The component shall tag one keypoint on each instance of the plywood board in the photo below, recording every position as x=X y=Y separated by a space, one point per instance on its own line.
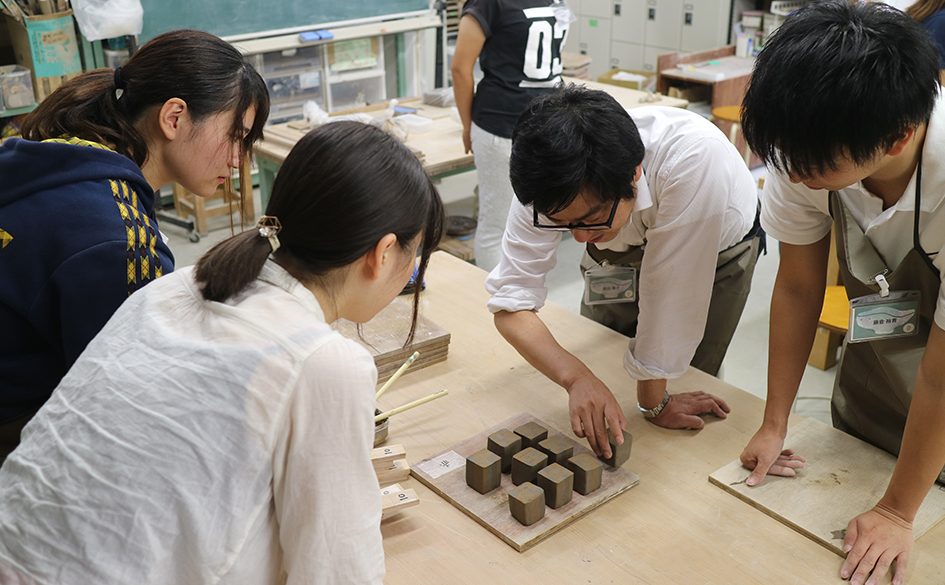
x=843 y=478
x=384 y=337
x=445 y=474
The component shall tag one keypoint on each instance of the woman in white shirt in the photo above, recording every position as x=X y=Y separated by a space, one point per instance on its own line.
x=668 y=210
x=218 y=430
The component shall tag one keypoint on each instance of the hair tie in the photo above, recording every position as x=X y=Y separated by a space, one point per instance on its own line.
x=120 y=84
x=269 y=227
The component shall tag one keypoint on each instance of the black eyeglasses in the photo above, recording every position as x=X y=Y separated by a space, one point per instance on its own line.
x=566 y=227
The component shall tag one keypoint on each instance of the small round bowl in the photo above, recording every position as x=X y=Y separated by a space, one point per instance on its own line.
x=381 y=430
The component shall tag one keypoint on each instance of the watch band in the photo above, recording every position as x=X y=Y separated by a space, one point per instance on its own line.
x=656 y=410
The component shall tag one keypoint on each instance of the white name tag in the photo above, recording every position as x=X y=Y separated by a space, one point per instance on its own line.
x=874 y=317
x=604 y=285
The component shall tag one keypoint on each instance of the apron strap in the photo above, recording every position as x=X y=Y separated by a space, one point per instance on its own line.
x=916 y=241
x=853 y=242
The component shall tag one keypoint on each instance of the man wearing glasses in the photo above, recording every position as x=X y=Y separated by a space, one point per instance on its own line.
x=668 y=211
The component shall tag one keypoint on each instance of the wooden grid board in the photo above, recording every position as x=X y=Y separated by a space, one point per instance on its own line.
x=843 y=478
x=445 y=474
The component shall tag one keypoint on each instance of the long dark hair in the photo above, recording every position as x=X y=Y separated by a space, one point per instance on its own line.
x=343 y=187
x=197 y=67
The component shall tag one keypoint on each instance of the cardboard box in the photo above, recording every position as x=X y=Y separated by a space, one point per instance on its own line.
x=640 y=80
x=47 y=46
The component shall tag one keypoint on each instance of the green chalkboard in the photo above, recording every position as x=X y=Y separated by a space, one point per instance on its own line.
x=237 y=17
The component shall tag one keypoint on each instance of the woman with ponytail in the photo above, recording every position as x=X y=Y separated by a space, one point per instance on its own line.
x=78 y=232
x=218 y=430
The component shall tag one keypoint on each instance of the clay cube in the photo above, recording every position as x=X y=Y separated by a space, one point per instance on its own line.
x=557 y=448
x=483 y=471
x=558 y=483
x=532 y=433
x=526 y=464
x=505 y=443
x=619 y=455
x=527 y=503
x=587 y=472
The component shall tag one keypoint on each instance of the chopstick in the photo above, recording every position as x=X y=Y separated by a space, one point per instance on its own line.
x=396 y=375
x=410 y=405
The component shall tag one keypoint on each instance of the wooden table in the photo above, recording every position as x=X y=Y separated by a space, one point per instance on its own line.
x=441 y=144
x=722 y=75
x=673 y=528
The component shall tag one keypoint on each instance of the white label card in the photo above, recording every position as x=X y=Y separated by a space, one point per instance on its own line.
x=442 y=464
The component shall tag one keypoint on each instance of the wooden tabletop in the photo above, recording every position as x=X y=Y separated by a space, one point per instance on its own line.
x=673 y=528
x=713 y=70
x=442 y=142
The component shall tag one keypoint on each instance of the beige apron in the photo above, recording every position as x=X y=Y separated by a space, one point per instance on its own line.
x=733 y=273
x=875 y=379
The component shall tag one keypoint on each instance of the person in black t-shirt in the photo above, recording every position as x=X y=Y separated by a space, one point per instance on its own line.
x=518 y=44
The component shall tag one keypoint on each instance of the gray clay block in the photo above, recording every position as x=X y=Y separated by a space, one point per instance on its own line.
x=587 y=472
x=527 y=503
x=526 y=464
x=532 y=433
x=558 y=483
x=557 y=448
x=505 y=444
x=619 y=455
x=483 y=471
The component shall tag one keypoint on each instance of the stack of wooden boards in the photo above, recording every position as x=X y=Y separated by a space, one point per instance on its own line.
x=384 y=337
x=576 y=65
x=390 y=465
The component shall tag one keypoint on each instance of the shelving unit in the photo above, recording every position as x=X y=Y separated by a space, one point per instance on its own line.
x=17 y=111
x=630 y=34
x=361 y=65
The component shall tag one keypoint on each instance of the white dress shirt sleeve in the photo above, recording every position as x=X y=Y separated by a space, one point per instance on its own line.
x=327 y=498
x=682 y=249
x=792 y=213
x=939 y=315
x=528 y=254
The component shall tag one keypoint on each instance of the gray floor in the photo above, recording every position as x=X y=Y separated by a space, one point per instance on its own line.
x=747 y=358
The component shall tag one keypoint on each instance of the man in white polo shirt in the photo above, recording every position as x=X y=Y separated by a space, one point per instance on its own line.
x=845 y=105
x=668 y=210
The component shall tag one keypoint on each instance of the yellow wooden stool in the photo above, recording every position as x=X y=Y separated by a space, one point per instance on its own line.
x=831 y=327
x=733 y=115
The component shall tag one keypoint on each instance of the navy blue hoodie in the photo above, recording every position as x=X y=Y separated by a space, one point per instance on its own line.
x=77 y=236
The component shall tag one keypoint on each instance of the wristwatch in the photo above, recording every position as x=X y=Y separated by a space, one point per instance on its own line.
x=656 y=410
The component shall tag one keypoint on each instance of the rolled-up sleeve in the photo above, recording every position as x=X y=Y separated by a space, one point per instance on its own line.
x=678 y=270
x=528 y=254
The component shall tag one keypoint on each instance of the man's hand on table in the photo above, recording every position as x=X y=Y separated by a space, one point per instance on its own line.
x=765 y=455
x=593 y=410
x=876 y=541
x=685 y=410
